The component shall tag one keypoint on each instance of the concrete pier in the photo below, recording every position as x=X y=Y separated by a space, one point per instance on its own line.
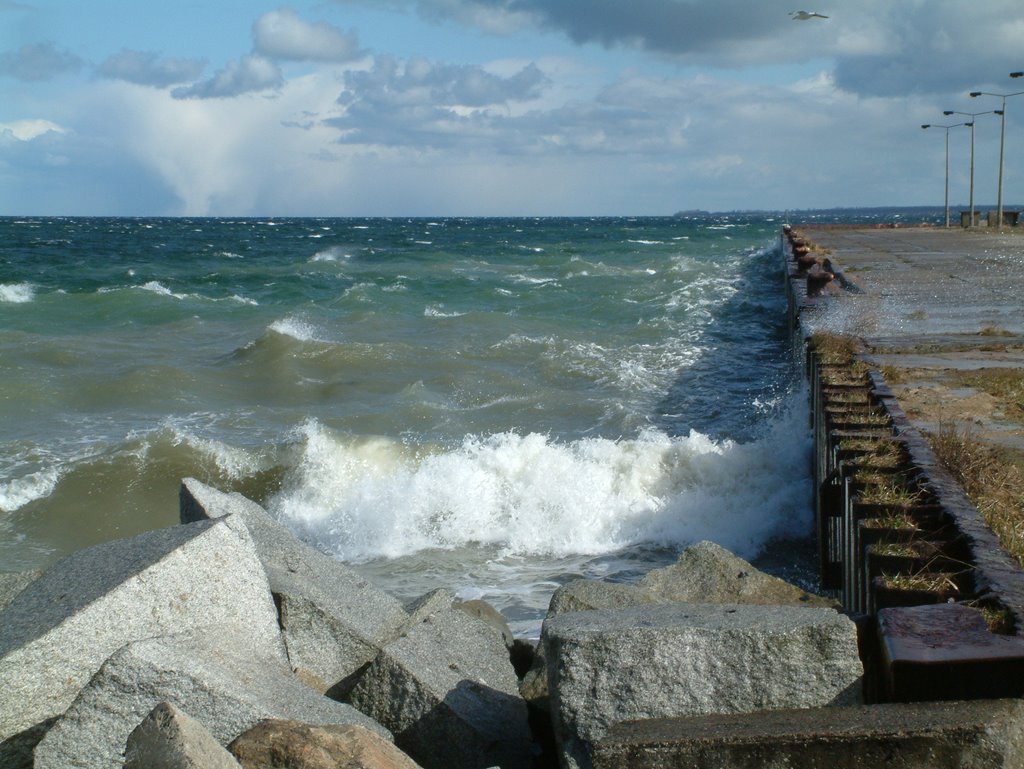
x=901 y=543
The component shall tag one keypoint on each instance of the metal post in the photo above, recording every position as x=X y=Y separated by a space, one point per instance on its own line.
x=1002 y=136
x=971 y=224
x=947 y=178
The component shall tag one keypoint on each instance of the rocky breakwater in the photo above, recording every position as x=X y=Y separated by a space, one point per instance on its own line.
x=225 y=641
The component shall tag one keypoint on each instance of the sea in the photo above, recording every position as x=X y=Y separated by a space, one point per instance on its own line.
x=493 y=406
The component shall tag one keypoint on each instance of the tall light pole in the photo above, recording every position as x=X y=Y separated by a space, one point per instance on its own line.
x=972 y=115
x=1002 y=138
x=947 y=127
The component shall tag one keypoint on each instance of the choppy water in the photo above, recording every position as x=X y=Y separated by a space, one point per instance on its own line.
x=488 y=405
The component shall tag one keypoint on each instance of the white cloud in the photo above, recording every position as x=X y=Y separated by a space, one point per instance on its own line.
x=282 y=34
x=27 y=130
x=248 y=74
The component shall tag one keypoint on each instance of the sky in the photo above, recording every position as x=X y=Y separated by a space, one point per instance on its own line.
x=502 y=107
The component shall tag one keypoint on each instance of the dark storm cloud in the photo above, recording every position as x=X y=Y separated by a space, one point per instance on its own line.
x=145 y=68
x=36 y=62
x=667 y=26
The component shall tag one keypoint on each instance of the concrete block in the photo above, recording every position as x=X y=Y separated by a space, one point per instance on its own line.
x=273 y=744
x=447 y=690
x=987 y=734
x=333 y=621
x=169 y=738
x=57 y=632
x=219 y=679
x=688 y=659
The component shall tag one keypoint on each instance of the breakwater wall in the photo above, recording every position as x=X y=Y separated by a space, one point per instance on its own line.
x=939 y=601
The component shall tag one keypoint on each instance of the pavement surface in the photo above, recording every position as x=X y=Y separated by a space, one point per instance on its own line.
x=935 y=307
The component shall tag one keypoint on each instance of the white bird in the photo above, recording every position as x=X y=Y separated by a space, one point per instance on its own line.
x=805 y=15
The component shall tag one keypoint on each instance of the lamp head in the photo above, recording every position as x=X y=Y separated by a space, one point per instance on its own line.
x=948 y=112
x=1017 y=74
x=926 y=125
x=975 y=93
x=997 y=112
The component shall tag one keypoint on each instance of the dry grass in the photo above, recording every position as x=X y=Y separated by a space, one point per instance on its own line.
x=834 y=348
x=1005 y=384
x=929 y=582
x=893 y=490
x=993 y=481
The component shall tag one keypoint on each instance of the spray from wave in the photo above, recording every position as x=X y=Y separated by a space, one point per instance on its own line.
x=362 y=498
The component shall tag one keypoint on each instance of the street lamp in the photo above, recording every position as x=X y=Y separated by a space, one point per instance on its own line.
x=947 y=127
x=949 y=112
x=1002 y=136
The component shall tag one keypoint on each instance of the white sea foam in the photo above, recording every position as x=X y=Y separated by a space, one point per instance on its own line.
x=17 y=293
x=159 y=288
x=296 y=328
x=531 y=495
x=18 y=492
x=332 y=254
x=437 y=311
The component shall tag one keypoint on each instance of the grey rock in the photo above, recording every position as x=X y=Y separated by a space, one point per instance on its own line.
x=428 y=603
x=708 y=573
x=334 y=622
x=937 y=735
x=487 y=614
x=589 y=594
x=169 y=738
x=57 y=632
x=448 y=692
x=704 y=573
x=275 y=744
x=223 y=682
x=12 y=583
x=688 y=659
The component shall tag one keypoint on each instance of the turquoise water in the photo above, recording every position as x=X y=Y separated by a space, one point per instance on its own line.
x=488 y=405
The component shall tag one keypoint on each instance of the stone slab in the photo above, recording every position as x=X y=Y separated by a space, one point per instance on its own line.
x=946 y=651
x=333 y=620
x=987 y=734
x=688 y=659
x=275 y=744
x=219 y=679
x=169 y=738
x=447 y=690
x=57 y=632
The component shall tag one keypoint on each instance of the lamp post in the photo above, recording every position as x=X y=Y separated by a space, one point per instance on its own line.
x=1002 y=137
x=947 y=127
x=972 y=115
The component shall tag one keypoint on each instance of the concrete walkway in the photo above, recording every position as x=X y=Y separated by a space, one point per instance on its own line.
x=932 y=304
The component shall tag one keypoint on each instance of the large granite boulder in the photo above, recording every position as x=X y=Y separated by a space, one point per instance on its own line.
x=687 y=659
x=447 y=690
x=704 y=573
x=169 y=738
x=275 y=744
x=12 y=583
x=708 y=573
x=219 y=677
x=59 y=629
x=333 y=621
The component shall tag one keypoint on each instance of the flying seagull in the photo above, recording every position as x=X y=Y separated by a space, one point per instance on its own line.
x=805 y=15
